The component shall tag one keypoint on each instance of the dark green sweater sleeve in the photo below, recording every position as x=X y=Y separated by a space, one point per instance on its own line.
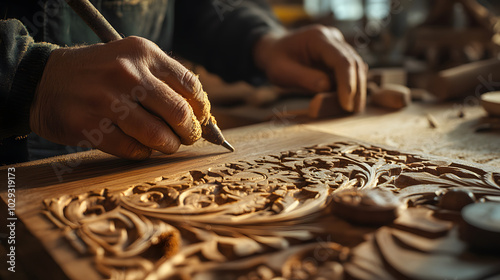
x=22 y=62
x=220 y=34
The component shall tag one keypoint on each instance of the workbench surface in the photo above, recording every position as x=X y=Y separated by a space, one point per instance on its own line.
x=409 y=130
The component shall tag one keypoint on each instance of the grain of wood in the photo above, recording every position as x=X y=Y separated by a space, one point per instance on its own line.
x=254 y=210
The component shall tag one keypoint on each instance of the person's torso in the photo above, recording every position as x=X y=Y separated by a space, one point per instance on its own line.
x=55 y=22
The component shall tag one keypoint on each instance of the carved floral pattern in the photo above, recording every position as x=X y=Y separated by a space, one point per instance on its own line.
x=260 y=219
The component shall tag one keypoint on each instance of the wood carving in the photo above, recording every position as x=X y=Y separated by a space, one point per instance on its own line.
x=272 y=217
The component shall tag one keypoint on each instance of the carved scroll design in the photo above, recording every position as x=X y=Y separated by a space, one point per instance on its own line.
x=257 y=219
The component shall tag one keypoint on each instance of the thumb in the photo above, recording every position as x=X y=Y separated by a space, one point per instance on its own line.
x=294 y=74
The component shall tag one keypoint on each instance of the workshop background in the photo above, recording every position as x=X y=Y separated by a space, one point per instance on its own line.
x=443 y=52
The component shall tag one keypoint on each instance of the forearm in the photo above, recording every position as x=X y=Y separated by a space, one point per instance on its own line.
x=221 y=35
x=21 y=66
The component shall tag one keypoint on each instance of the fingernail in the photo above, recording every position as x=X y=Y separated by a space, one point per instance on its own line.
x=195 y=132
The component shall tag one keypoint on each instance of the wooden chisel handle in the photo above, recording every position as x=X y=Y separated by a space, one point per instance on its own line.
x=95 y=20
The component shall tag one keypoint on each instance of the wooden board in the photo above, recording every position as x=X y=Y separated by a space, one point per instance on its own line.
x=264 y=211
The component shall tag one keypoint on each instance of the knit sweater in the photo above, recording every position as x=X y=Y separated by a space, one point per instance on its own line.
x=21 y=66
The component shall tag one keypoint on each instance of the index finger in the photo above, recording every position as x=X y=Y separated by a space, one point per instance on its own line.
x=334 y=54
x=184 y=82
x=362 y=70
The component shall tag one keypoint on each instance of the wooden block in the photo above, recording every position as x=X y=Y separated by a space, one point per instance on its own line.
x=419 y=94
x=392 y=96
x=467 y=79
x=367 y=207
x=382 y=76
x=325 y=105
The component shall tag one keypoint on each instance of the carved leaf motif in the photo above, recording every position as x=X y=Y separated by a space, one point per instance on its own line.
x=255 y=219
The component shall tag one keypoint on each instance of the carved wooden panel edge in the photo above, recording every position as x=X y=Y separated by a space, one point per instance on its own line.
x=284 y=216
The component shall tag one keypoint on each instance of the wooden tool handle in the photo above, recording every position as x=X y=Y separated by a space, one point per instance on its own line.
x=95 y=20
x=463 y=80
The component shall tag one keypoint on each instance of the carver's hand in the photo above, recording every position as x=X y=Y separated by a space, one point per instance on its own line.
x=125 y=97
x=314 y=58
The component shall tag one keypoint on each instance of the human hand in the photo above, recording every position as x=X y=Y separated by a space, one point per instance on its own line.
x=125 y=98
x=309 y=58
